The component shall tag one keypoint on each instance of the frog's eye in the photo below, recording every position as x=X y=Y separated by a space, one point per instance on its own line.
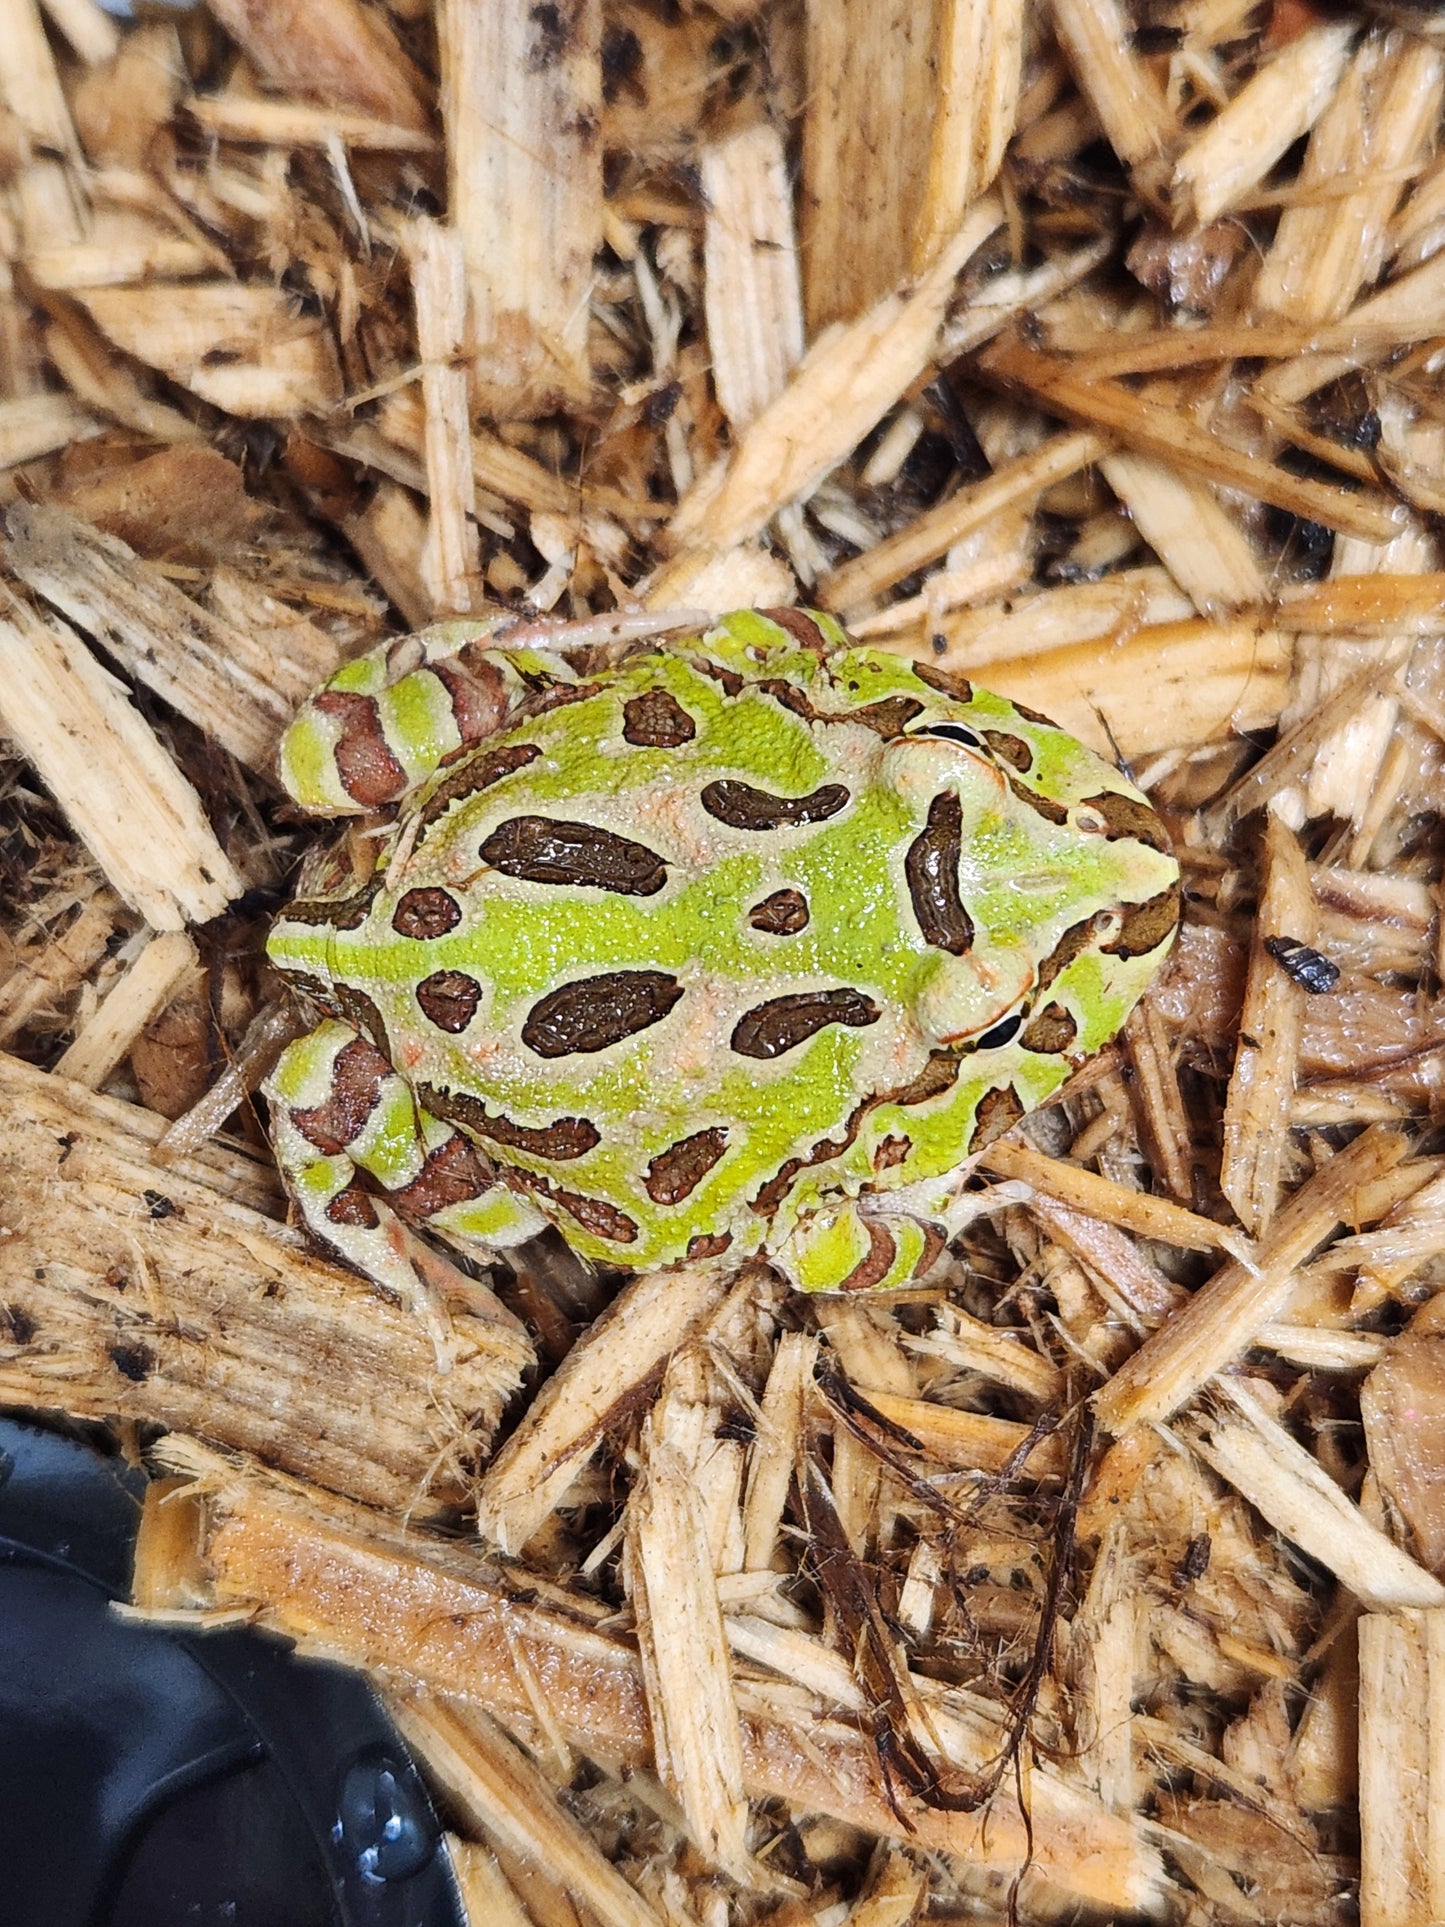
x=952 y=733
x=1003 y=1032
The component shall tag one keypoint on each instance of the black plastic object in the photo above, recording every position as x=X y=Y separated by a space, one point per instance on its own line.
x=150 y=1778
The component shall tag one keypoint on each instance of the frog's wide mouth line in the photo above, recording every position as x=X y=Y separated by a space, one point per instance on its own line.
x=720 y=954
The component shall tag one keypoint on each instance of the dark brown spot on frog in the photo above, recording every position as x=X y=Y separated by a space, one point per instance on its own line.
x=603 y=1220
x=479 y=774
x=361 y=1013
x=598 y=1011
x=782 y=1023
x=948 y=682
x=1045 y=806
x=568 y=1137
x=1010 y=749
x=677 y=1172
x=541 y=849
x=708 y=1244
x=657 y=720
x=938 y=1075
x=477 y=692
x=893 y=1150
x=1033 y=716
x=337 y=913
x=1050 y=1029
x=1125 y=817
x=742 y=807
x=1146 y=925
x=783 y=914
x=998 y=1111
x=449 y=998
x=776 y=1189
x=1074 y=942
x=357 y=1075
x=369 y=771
x=801 y=627
x=882 y=1250
x=931 y=870
x=888 y=718
x=789 y=696
x=452 y=1174
x=426 y=913
x=353 y=1207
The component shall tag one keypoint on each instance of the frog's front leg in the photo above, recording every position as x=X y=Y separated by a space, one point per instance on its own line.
x=840 y=1246
x=339 y=1110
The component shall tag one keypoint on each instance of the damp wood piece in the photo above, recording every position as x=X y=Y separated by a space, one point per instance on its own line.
x=846 y=383
x=1278 y=104
x=319 y=1570
x=871 y=93
x=525 y=193
x=230 y=681
x=1190 y=530
x=1137 y=1211
x=683 y=1652
x=501 y=1793
x=1328 y=245
x=1131 y=108
x=451 y=559
x=121 y=793
x=165 y=964
x=980 y=56
x=1261 y=1087
x=752 y=296
x=1014 y=484
x=337 y=53
x=606 y=1375
x=1402 y=1761
x=142 y=1292
x=1269 y=1467
x=1222 y=1318
x=247 y=349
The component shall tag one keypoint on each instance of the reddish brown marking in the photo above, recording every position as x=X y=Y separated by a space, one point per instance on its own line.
x=789 y=696
x=893 y=1150
x=1049 y=810
x=657 y=720
x=938 y=1075
x=568 y=1137
x=1074 y=942
x=338 y=913
x=598 y=1011
x=1011 y=749
x=452 y=1174
x=1033 y=716
x=882 y=1250
x=783 y=914
x=782 y=1023
x=934 y=1246
x=1146 y=925
x=478 y=774
x=1124 y=817
x=449 y=998
x=743 y=807
x=1050 y=1029
x=931 y=871
x=361 y=1013
x=370 y=774
x=801 y=627
x=353 y=1207
x=677 y=1172
x=357 y=1076
x=426 y=913
x=545 y=849
x=948 y=682
x=603 y=1220
x=477 y=691
x=709 y=1245
x=888 y=718
x=998 y=1111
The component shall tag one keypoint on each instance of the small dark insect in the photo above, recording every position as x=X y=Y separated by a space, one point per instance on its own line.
x=1310 y=970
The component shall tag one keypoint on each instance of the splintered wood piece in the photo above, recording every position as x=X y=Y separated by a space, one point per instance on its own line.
x=525 y=185
x=1401 y=1404
x=1029 y=625
x=752 y=296
x=1158 y=426
x=684 y=1654
x=605 y=1375
x=847 y=382
x=166 y=963
x=122 y=794
x=980 y=54
x=1223 y=1317
x=247 y=349
x=1126 y=98
x=1118 y=1269
x=144 y=1292
x=870 y=102
x=427 y=1612
x=1137 y=1211
x=63 y=961
x=35 y=425
x=970 y=1441
x=451 y=560
x=775 y=1447
x=218 y=673
x=1190 y=530
x=337 y=52
x=1015 y=484
x=1161 y=1112
x=1103 y=1644
x=489 y=1779
x=49 y=197
x=1330 y=244
x=1268 y=1466
x=1402 y=1769
x=290 y=123
x=1279 y=103
x=897 y=1892
x=1261 y=1088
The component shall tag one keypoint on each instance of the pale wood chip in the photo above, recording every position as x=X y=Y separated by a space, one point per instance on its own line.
x=969 y=1441
x=165 y=964
x=1104 y=1651
x=980 y=55
x=1190 y=530
x=35 y=425
x=486 y=1892
x=1162 y=1114
x=896 y=1893
x=776 y=1446
x=752 y=295
x=1222 y=1318
x=1402 y=1404
x=337 y=52
x=1402 y=1768
x=1126 y=98
x=291 y=123
x=1100 y=1197
x=147 y=1293
x=50 y=199
x=91 y=32
x=1128 y=1281
x=122 y=794
x=63 y=961
x=451 y=559
x=525 y=194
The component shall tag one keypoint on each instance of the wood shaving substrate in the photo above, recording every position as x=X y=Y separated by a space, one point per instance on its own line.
x=1090 y=351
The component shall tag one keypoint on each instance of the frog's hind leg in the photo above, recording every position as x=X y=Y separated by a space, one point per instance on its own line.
x=358 y=1153
x=840 y=1246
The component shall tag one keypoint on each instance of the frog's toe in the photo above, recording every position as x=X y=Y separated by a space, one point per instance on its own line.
x=841 y=1247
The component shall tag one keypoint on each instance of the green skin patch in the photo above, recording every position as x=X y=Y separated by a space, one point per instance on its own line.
x=934 y=888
